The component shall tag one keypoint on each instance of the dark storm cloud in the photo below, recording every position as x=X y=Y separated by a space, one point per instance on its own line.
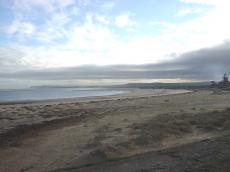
x=204 y=64
x=207 y=63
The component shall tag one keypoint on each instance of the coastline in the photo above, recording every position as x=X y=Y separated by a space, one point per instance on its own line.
x=125 y=93
x=60 y=94
x=46 y=136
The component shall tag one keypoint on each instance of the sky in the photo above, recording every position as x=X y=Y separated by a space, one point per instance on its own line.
x=75 y=42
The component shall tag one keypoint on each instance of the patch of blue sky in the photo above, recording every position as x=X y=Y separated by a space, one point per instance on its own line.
x=6 y=16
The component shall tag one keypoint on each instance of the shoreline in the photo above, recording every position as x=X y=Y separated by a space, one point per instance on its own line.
x=128 y=93
x=27 y=101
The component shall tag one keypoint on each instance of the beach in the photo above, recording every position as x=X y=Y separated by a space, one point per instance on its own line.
x=105 y=133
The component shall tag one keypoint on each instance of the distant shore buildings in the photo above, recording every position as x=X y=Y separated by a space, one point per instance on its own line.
x=222 y=84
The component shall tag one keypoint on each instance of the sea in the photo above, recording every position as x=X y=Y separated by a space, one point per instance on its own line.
x=40 y=93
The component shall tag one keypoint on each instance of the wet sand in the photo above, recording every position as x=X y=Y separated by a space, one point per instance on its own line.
x=78 y=134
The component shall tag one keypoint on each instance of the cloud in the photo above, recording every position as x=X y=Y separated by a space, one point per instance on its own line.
x=66 y=3
x=94 y=41
x=46 y=5
x=203 y=64
x=11 y=60
x=65 y=39
x=39 y=21
x=102 y=19
x=123 y=21
x=21 y=28
x=54 y=28
x=188 y=11
x=207 y=2
x=207 y=30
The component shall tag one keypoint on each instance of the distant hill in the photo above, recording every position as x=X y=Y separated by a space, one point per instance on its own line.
x=192 y=85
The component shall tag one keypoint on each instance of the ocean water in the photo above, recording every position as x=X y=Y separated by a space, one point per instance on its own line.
x=54 y=93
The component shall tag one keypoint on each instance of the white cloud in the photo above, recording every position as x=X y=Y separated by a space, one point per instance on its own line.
x=11 y=59
x=94 y=42
x=90 y=43
x=187 y=11
x=21 y=28
x=201 y=1
x=90 y=37
x=66 y=3
x=208 y=2
x=53 y=28
x=47 y=5
x=28 y=5
x=102 y=19
x=123 y=21
x=207 y=30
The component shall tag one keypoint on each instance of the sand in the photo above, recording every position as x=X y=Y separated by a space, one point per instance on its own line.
x=74 y=134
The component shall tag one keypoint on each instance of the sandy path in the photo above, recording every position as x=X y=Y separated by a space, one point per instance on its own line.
x=92 y=126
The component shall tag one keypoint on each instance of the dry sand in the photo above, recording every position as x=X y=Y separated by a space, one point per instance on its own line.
x=73 y=133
